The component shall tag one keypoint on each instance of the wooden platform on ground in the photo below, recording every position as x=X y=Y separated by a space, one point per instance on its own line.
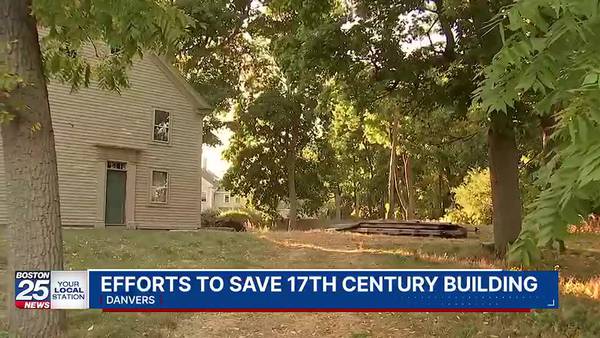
x=405 y=228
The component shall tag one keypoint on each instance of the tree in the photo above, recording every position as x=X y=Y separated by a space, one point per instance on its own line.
x=406 y=63
x=349 y=157
x=30 y=164
x=473 y=199
x=129 y=28
x=211 y=55
x=503 y=151
x=427 y=50
x=266 y=151
x=550 y=55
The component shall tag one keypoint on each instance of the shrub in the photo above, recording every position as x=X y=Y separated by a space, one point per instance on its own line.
x=209 y=217
x=248 y=217
x=473 y=199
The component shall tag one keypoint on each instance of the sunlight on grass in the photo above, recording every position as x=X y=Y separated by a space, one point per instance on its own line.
x=568 y=286
x=588 y=289
x=478 y=262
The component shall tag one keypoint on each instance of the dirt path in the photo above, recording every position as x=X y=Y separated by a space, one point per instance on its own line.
x=310 y=250
x=295 y=325
x=320 y=250
x=291 y=254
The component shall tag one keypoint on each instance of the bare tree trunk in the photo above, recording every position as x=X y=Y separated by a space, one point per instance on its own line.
x=504 y=172
x=338 y=204
x=392 y=174
x=30 y=164
x=410 y=187
x=400 y=193
x=356 y=206
x=292 y=192
x=440 y=193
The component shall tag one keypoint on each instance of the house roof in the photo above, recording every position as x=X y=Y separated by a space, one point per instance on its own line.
x=192 y=95
x=210 y=177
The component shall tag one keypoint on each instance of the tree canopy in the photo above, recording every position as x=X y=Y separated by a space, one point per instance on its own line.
x=550 y=57
x=408 y=92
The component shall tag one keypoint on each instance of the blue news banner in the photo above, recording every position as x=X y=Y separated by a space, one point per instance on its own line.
x=288 y=290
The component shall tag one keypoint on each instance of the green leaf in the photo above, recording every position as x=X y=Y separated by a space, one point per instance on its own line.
x=590 y=79
x=530 y=10
x=514 y=18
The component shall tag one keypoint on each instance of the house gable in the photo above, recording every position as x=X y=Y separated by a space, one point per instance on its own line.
x=196 y=99
x=211 y=178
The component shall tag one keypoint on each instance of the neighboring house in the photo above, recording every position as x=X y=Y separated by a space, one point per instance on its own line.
x=210 y=184
x=131 y=159
x=225 y=200
x=215 y=197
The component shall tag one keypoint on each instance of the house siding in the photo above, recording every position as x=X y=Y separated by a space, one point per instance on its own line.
x=91 y=119
x=219 y=201
x=209 y=189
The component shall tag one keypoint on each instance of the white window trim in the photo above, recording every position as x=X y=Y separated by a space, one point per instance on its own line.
x=108 y=167
x=170 y=132
x=151 y=187
x=227 y=198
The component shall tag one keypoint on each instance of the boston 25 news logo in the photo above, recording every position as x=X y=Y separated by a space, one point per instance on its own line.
x=32 y=289
x=51 y=290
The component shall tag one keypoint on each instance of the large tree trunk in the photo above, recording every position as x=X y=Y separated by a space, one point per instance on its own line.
x=392 y=175
x=30 y=165
x=504 y=173
x=502 y=146
x=292 y=192
x=410 y=187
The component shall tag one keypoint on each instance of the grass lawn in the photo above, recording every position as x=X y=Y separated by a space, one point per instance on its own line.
x=579 y=315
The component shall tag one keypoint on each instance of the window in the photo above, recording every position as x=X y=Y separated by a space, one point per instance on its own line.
x=204 y=196
x=238 y=200
x=162 y=126
x=226 y=197
x=160 y=186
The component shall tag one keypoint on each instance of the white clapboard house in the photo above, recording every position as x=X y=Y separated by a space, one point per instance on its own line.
x=131 y=159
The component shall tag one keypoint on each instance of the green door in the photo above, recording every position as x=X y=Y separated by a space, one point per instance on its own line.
x=115 y=197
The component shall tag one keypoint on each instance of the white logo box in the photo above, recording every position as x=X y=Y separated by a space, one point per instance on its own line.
x=69 y=290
